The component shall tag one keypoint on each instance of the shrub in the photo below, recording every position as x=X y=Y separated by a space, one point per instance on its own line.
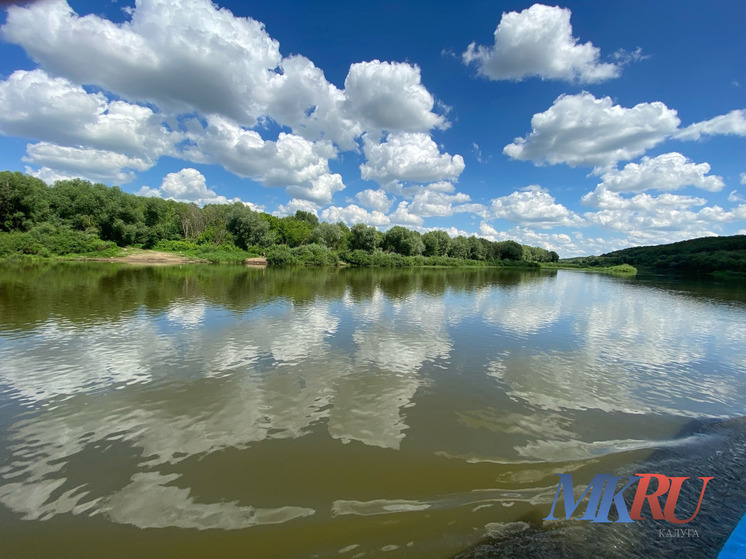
x=314 y=254
x=278 y=255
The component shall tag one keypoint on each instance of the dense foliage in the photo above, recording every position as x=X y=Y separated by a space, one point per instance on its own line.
x=704 y=255
x=77 y=217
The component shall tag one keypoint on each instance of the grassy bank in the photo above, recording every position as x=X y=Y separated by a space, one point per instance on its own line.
x=619 y=269
x=278 y=255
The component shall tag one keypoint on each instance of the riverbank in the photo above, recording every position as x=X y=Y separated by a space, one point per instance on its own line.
x=140 y=256
x=306 y=255
x=621 y=269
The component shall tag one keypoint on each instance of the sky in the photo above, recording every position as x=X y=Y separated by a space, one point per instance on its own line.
x=581 y=128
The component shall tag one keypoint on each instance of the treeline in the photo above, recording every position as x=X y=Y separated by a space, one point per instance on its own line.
x=704 y=255
x=78 y=217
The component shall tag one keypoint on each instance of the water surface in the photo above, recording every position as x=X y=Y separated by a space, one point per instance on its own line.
x=205 y=410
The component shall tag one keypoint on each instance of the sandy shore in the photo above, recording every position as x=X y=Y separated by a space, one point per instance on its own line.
x=154 y=257
x=134 y=256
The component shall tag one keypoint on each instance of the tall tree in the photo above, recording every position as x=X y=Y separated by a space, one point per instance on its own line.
x=24 y=201
x=363 y=237
x=247 y=226
x=436 y=243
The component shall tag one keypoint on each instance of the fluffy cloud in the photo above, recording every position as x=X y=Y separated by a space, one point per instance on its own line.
x=433 y=203
x=93 y=164
x=538 y=42
x=183 y=55
x=562 y=243
x=320 y=189
x=301 y=98
x=604 y=199
x=291 y=161
x=647 y=219
x=188 y=185
x=353 y=214
x=389 y=96
x=743 y=178
x=37 y=105
x=294 y=205
x=374 y=199
x=50 y=176
x=411 y=157
x=192 y=57
x=404 y=216
x=669 y=171
x=730 y=124
x=582 y=130
x=533 y=205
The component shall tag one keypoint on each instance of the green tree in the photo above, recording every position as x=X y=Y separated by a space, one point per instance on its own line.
x=295 y=231
x=436 y=243
x=363 y=237
x=24 y=201
x=301 y=215
x=247 y=226
x=161 y=220
x=491 y=251
x=476 y=249
x=510 y=250
x=459 y=248
x=403 y=241
x=192 y=222
x=328 y=234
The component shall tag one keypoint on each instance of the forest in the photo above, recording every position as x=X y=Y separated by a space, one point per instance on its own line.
x=704 y=255
x=75 y=218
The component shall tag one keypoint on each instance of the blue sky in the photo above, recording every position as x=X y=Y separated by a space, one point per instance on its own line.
x=582 y=128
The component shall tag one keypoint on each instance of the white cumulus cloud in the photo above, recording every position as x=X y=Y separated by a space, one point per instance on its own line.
x=669 y=171
x=294 y=205
x=433 y=203
x=646 y=219
x=353 y=214
x=92 y=164
x=183 y=55
x=535 y=206
x=730 y=124
x=538 y=42
x=604 y=199
x=389 y=96
x=215 y=78
x=404 y=216
x=291 y=161
x=374 y=199
x=582 y=130
x=187 y=185
x=80 y=124
x=561 y=243
x=408 y=156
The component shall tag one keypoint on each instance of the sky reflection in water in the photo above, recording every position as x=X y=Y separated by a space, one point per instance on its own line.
x=130 y=409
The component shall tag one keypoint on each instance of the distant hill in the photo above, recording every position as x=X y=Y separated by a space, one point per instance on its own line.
x=705 y=255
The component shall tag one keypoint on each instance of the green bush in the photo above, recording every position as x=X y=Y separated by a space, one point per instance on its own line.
x=279 y=255
x=356 y=257
x=49 y=240
x=314 y=254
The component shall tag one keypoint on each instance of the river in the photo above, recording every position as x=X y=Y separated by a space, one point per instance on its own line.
x=193 y=411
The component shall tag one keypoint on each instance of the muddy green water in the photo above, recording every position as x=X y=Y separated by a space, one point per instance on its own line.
x=206 y=411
